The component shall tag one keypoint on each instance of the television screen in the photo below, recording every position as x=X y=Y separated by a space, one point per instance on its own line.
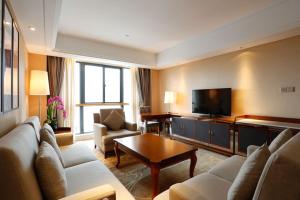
x=212 y=101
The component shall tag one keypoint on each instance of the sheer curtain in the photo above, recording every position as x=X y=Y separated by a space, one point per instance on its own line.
x=68 y=92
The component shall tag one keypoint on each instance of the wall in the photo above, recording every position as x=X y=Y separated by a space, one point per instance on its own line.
x=155 y=91
x=255 y=75
x=37 y=62
x=9 y=120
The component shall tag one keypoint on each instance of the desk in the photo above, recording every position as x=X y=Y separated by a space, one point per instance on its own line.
x=161 y=117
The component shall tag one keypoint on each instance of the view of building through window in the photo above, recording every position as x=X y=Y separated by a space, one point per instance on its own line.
x=95 y=84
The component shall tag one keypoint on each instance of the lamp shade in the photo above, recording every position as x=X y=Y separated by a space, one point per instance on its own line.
x=39 y=84
x=170 y=97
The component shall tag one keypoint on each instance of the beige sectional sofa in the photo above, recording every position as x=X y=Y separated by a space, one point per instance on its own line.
x=87 y=177
x=280 y=178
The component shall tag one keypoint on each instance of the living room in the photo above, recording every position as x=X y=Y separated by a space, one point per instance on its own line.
x=150 y=100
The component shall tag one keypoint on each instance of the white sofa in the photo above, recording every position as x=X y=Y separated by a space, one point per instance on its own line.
x=279 y=180
x=87 y=177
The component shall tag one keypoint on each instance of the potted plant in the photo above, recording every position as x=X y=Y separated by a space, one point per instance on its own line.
x=54 y=105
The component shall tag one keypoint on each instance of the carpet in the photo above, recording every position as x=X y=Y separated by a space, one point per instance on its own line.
x=135 y=176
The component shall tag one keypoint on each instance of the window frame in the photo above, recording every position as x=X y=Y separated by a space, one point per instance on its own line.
x=82 y=89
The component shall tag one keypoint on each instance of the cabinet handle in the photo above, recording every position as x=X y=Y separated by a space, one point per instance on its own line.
x=211 y=133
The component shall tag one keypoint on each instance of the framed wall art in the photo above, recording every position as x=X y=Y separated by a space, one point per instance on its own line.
x=9 y=61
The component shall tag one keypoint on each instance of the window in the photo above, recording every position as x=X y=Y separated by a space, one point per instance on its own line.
x=97 y=84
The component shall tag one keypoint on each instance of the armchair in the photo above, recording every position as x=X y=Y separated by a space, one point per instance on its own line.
x=104 y=137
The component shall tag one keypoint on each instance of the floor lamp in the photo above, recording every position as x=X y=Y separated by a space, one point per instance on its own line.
x=39 y=85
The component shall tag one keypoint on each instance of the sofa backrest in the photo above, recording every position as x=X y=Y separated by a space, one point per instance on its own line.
x=280 y=178
x=34 y=121
x=18 y=150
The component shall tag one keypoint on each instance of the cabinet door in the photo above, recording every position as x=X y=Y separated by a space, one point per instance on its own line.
x=176 y=126
x=188 y=127
x=251 y=135
x=202 y=131
x=220 y=134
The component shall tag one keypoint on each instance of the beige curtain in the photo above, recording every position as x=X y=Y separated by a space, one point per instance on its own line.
x=143 y=81
x=134 y=106
x=56 y=70
x=68 y=92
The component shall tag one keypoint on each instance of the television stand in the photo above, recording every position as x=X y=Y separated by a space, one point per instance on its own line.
x=208 y=132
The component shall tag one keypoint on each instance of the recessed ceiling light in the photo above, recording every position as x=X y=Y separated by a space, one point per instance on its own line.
x=126 y=35
x=31 y=28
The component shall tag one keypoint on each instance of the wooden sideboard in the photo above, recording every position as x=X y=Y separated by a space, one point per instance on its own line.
x=230 y=135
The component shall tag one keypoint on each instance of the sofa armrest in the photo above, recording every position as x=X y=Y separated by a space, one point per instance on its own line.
x=180 y=191
x=130 y=126
x=251 y=149
x=64 y=139
x=103 y=192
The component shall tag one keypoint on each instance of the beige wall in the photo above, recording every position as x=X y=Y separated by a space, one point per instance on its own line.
x=255 y=75
x=37 y=62
x=9 y=120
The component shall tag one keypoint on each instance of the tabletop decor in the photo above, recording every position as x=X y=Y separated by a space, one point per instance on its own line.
x=55 y=104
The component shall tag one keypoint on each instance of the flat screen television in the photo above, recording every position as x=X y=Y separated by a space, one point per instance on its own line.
x=212 y=101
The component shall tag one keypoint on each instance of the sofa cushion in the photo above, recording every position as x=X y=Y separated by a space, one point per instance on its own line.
x=49 y=129
x=282 y=138
x=280 y=177
x=94 y=174
x=70 y=154
x=114 y=121
x=47 y=137
x=203 y=186
x=244 y=184
x=50 y=172
x=229 y=168
x=108 y=139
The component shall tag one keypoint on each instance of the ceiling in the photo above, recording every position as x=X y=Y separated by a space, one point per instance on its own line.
x=158 y=33
x=152 y=25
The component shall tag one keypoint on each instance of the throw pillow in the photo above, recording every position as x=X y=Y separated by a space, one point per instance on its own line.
x=114 y=121
x=49 y=129
x=245 y=182
x=282 y=138
x=50 y=173
x=47 y=137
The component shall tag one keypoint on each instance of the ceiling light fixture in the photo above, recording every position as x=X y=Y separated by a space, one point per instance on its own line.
x=126 y=35
x=32 y=28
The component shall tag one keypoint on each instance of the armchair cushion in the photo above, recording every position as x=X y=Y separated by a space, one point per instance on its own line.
x=111 y=135
x=130 y=126
x=51 y=174
x=105 y=112
x=114 y=121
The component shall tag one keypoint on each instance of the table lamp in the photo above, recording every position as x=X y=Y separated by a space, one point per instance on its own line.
x=39 y=85
x=170 y=98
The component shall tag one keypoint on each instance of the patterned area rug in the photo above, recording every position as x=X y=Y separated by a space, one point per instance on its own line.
x=135 y=176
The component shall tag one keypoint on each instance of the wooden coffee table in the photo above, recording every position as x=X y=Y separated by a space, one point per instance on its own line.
x=156 y=152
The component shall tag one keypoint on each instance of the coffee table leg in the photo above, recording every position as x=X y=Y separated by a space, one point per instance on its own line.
x=154 y=176
x=117 y=152
x=193 y=163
